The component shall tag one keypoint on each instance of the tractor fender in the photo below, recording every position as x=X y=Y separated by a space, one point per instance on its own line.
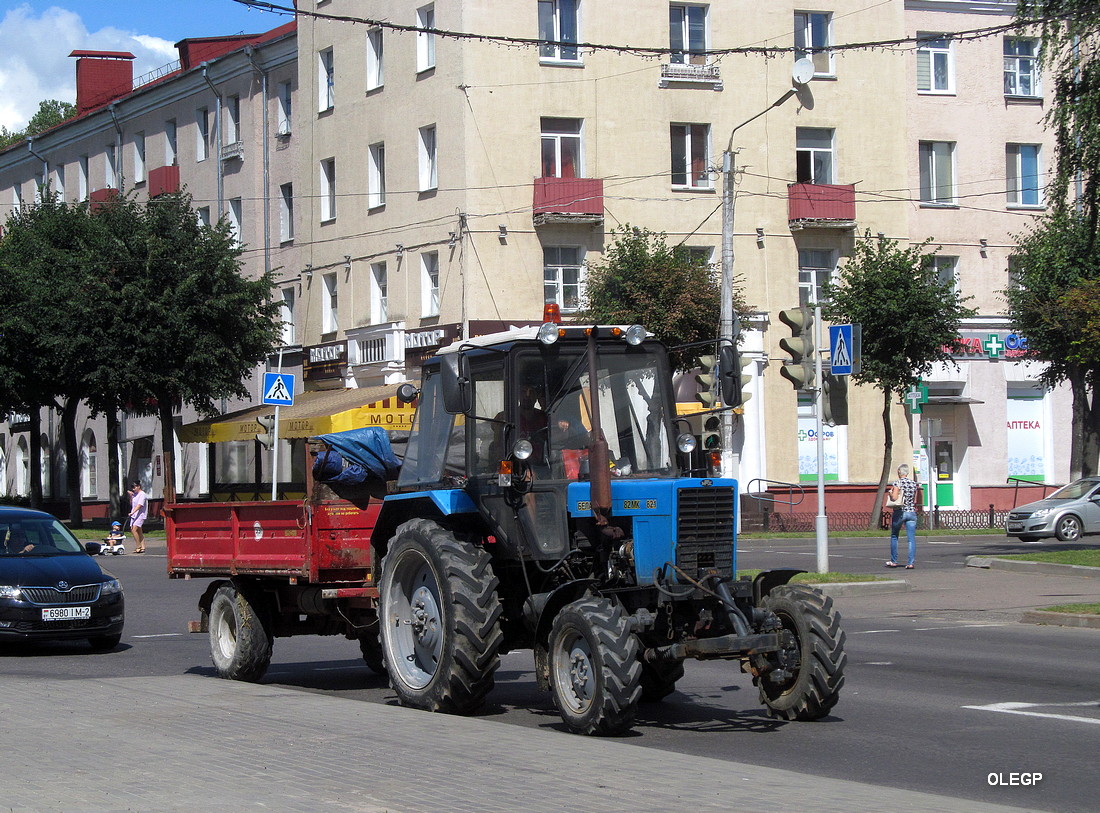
x=768 y=580
x=545 y=606
x=439 y=505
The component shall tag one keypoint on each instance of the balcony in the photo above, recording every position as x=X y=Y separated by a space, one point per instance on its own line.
x=568 y=200
x=683 y=73
x=101 y=197
x=234 y=150
x=164 y=180
x=821 y=206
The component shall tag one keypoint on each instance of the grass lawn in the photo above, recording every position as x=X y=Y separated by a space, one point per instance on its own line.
x=822 y=578
x=1087 y=557
x=857 y=534
x=1085 y=609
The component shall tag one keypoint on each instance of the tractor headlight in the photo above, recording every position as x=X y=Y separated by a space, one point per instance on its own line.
x=523 y=449
x=686 y=443
x=548 y=333
x=634 y=335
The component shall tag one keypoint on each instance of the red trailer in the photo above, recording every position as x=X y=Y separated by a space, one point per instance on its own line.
x=281 y=568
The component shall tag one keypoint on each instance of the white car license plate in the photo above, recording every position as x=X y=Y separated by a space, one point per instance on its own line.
x=1016 y=526
x=65 y=613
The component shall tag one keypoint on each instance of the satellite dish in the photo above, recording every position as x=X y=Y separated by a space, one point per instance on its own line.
x=803 y=71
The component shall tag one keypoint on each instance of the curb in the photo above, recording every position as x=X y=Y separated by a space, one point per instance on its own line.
x=1061 y=619
x=1023 y=566
x=875 y=588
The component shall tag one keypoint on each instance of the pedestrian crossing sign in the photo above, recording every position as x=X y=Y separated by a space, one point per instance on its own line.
x=278 y=389
x=844 y=349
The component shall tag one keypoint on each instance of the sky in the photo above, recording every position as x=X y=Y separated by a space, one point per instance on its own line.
x=36 y=37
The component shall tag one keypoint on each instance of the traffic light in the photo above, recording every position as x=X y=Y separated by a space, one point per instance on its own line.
x=744 y=364
x=268 y=423
x=712 y=438
x=800 y=369
x=834 y=399
x=707 y=377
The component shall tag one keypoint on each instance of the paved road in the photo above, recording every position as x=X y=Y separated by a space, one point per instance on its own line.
x=917 y=662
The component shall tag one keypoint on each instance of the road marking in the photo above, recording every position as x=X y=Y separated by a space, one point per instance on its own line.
x=870 y=632
x=161 y=635
x=1020 y=708
x=879 y=663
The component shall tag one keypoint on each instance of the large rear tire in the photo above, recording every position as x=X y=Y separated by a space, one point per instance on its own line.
x=240 y=642
x=440 y=619
x=595 y=674
x=814 y=656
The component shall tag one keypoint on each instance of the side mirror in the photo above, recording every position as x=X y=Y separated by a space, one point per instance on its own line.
x=729 y=375
x=457 y=389
x=407 y=393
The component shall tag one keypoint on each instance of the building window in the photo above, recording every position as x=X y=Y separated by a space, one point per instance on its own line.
x=202 y=134
x=425 y=40
x=687 y=34
x=946 y=270
x=690 y=155
x=379 y=293
x=1015 y=270
x=935 y=64
x=815 y=268
x=330 y=321
x=202 y=214
x=232 y=120
x=376 y=176
x=375 y=66
x=58 y=183
x=1022 y=174
x=937 y=172
x=326 y=90
x=82 y=177
x=812 y=36
x=287 y=315
x=563 y=276
x=1022 y=67
x=429 y=283
x=110 y=167
x=170 y=145
x=286 y=212
x=1026 y=440
x=558 y=25
x=814 y=155
x=285 y=110
x=427 y=152
x=139 y=158
x=236 y=216
x=328 y=190
x=89 y=466
x=561 y=148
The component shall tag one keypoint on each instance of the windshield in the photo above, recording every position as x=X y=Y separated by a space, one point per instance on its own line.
x=1075 y=490
x=29 y=536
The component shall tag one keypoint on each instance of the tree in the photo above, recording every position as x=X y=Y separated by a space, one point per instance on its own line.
x=910 y=320
x=52 y=305
x=643 y=280
x=195 y=329
x=1054 y=301
x=50 y=113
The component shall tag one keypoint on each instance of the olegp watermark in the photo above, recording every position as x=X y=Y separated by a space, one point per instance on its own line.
x=1014 y=779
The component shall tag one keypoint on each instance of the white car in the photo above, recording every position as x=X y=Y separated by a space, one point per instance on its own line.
x=1067 y=514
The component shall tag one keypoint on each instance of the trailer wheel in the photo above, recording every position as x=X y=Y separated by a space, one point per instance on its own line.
x=440 y=617
x=371 y=647
x=595 y=674
x=659 y=680
x=814 y=655
x=240 y=643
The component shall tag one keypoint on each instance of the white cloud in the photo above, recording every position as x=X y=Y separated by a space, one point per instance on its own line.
x=35 y=63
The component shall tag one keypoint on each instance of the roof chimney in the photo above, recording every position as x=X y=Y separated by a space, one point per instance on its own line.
x=102 y=77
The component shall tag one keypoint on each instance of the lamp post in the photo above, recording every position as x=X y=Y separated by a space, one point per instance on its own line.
x=729 y=326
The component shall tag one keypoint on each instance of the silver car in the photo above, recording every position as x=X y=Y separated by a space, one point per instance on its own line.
x=1068 y=513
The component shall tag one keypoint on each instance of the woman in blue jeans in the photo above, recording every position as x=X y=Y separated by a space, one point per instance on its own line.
x=906 y=489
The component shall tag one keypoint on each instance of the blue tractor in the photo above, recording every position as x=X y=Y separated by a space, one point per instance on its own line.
x=547 y=501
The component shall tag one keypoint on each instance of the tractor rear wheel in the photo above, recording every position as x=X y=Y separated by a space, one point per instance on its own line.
x=813 y=655
x=440 y=619
x=595 y=674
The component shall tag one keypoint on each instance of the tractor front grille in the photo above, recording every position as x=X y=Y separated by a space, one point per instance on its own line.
x=704 y=532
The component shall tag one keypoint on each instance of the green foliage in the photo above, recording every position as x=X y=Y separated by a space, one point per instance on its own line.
x=1055 y=298
x=909 y=319
x=50 y=113
x=642 y=280
x=1070 y=33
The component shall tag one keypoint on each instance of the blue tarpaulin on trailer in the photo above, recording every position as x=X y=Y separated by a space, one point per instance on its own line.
x=356 y=456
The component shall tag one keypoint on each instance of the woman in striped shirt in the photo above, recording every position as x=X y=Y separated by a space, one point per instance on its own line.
x=906 y=514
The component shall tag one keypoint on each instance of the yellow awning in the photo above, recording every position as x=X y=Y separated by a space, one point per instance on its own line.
x=316 y=412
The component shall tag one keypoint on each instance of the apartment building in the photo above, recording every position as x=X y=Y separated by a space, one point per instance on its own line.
x=216 y=123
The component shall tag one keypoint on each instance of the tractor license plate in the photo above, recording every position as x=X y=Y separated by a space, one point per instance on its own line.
x=65 y=613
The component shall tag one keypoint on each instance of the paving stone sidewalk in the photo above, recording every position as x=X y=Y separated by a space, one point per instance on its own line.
x=199 y=743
